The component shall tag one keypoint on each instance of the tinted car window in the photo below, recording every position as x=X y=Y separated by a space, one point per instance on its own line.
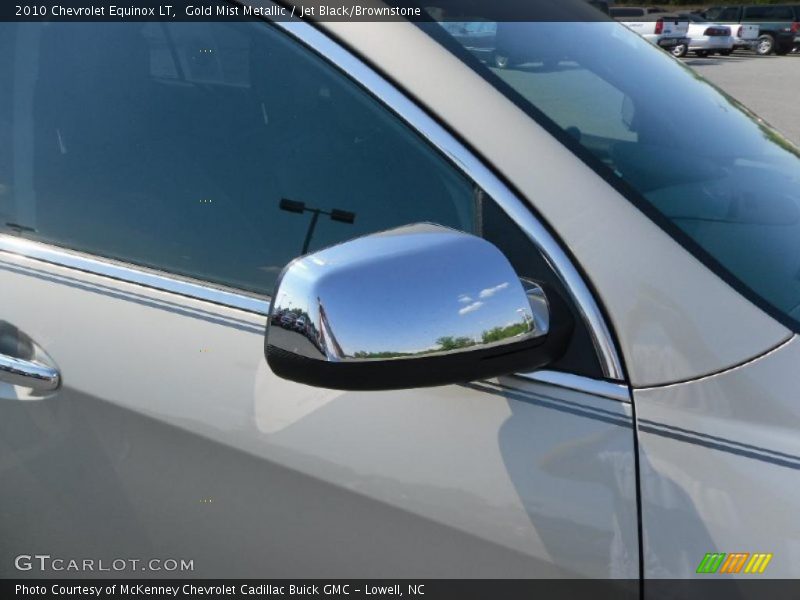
x=717 y=178
x=778 y=13
x=728 y=14
x=172 y=146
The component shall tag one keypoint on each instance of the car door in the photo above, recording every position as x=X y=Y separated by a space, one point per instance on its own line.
x=157 y=179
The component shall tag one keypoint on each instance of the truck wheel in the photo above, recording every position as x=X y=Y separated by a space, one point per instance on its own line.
x=766 y=44
x=680 y=50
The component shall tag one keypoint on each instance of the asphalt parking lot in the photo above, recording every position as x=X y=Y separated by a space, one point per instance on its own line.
x=768 y=85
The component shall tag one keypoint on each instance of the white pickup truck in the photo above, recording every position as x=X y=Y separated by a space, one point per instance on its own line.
x=667 y=31
x=712 y=38
x=745 y=36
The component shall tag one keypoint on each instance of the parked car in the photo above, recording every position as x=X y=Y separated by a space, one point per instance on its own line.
x=595 y=265
x=706 y=38
x=779 y=24
x=665 y=31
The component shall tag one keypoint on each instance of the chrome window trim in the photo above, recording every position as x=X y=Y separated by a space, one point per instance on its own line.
x=430 y=129
x=132 y=274
x=596 y=387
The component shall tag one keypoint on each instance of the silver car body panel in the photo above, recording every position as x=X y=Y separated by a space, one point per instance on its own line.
x=171 y=437
x=720 y=467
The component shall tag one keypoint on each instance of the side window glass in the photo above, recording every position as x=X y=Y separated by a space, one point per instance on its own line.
x=191 y=147
x=754 y=12
x=199 y=53
x=6 y=155
x=766 y=13
x=728 y=14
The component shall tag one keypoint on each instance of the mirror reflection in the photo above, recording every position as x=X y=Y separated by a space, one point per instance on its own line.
x=414 y=291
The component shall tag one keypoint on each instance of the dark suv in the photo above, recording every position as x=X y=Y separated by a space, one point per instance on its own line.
x=780 y=23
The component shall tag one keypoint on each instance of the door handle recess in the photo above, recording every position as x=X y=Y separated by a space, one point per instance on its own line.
x=29 y=374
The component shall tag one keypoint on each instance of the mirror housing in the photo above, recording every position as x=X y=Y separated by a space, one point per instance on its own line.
x=419 y=305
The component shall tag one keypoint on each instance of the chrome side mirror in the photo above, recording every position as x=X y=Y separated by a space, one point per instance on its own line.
x=415 y=306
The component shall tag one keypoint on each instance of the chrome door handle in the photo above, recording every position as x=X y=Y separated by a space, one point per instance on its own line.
x=29 y=374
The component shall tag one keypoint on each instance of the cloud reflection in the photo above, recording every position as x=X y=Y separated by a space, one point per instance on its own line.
x=489 y=292
x=470 y=308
